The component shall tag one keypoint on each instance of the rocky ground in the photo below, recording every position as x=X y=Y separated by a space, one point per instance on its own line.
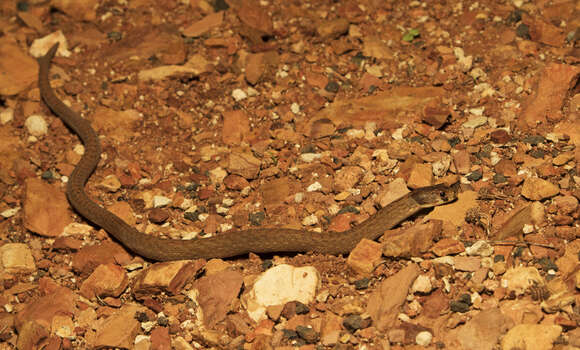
x=219 y=115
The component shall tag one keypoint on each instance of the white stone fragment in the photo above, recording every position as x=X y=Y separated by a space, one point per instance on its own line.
x=6 y=115
x=17 y=258
x=475 y=122
x=8 y=213
x=310 y=157
x=36 y=125
x=316 y=186
x=161 y=201
x=239 y=95
x=480 y=248
x=423 y=338
x=422 y=284
x=295 y=108
x=279 y=285
x=310 y=220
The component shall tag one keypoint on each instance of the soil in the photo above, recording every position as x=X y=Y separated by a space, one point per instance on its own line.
x=219 y=115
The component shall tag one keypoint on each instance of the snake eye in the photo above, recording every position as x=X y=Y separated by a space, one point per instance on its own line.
x=443 y=195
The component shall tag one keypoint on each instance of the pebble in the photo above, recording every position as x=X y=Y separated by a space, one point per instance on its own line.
x=475 y=122
x=537 y=189
x=310 y=220
x=479 y=248
x=423 y=338
x=6 y=115
x=279 y=285
x=161 y=201
x=36 y=125
x=422 y=285
x=308 y=334
x=239 y=95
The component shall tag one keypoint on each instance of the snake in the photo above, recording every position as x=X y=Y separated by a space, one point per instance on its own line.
x=230 y=243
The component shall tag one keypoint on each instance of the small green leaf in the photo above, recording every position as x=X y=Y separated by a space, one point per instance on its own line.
x=410 y=35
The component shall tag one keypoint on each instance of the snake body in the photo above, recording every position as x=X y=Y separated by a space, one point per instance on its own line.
x=231 y=243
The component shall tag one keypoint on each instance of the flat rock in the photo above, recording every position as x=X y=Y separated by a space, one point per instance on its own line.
x=18 y=70
x=531 y=337
x=107 y=280
x=216 y=293
x=41 y=215
x=168 y=277
x=537 y=189
x=365 y=256
x=482 y=332
x=554 y=83
x=385 y=302
x=120 y=329
x=16 y=258
x=279 y=285
x=520 y=279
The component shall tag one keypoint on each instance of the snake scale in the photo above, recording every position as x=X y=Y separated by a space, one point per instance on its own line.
x=231 y=243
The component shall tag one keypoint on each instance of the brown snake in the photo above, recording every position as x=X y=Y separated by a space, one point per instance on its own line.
x=231 y=243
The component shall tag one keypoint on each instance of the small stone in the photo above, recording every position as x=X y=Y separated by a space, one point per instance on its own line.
x=466 y=263
x=158 y=216
x=361 y=284
x=534 y=140
x=520 y=279
x=500 y=136
x=447 y=246
x=537 y=189
x=422 y=285
x=563 y=158
x=239 y=95
x=479 y=248
x=332 y=87
x=279 y=285
x=499 y=179
x=474 y=175
x=435 y=115
x=36 y=125
x=6 y=115
x=566 y=204
x=308 y=334
x=333 y=28
x=107 y=280
x=423 y=338
x=365 y=256
x=458 y=306
x=161 y=201
x=475 y=122
x=538 y=336
x=421 y=176
x=16 y=258
x=462 y=161
x=301 y=308
x=167 y=277
x=353 y=323
x=310 y=220
x=110 y=183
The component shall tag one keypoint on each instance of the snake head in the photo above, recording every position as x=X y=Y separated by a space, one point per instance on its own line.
x=431 y=196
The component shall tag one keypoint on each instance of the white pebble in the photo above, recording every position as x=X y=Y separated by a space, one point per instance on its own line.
x=422 y=284
x=423 y=338
x=295 y=108
x=239 y=94
x=314 y=187
x=310 y=157
x=36 y=125
x=310 y=220
x=6 y=115
x=161 y=201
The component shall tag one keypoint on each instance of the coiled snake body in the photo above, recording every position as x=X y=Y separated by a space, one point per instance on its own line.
x=228 y=244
